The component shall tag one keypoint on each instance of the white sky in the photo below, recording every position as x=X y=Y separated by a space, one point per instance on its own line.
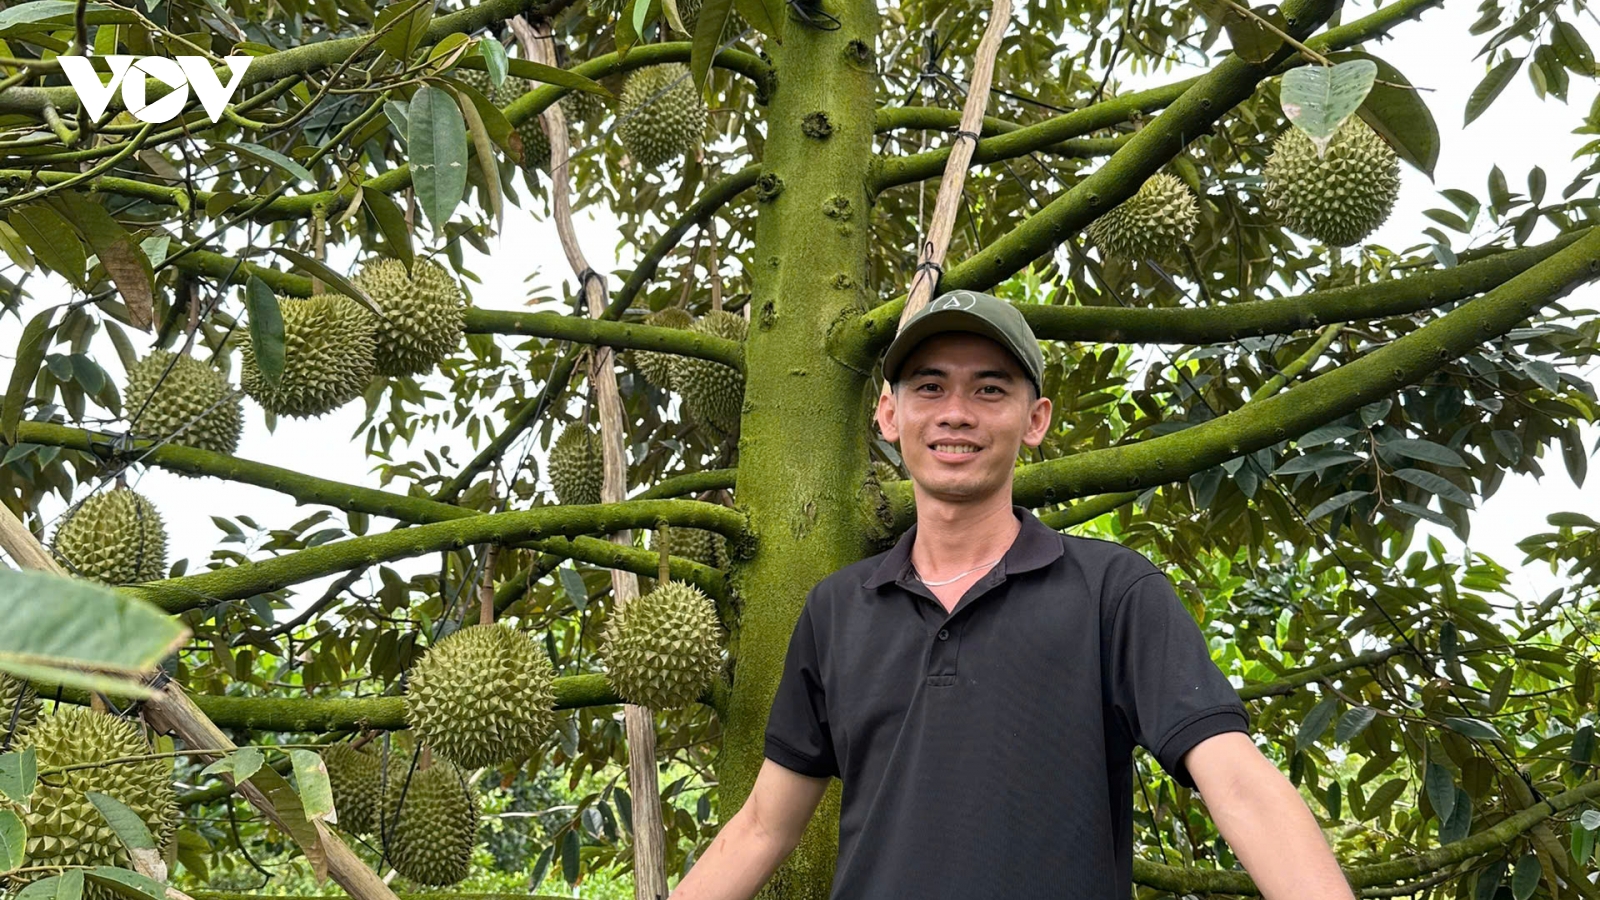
x=1518 y=132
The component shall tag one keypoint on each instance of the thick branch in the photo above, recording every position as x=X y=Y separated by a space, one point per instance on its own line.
x=584 y=330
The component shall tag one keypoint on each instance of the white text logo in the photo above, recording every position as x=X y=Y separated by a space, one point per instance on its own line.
x=129 y=73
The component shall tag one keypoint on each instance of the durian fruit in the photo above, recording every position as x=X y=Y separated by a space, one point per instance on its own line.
x=17 y=698
x=192 y=404
x=885 y=472
x=664 y=648
x=327 y=357
x=430 y=821
x=355 y=776
x=64 y=827
x=577 y=465
x=1341 y=197
x=657 y=367
x=705 y=547
x=712 y=392
x=477 y=79
x=114 y=537
x=689 y=11
x=535 y=145
x=1154 y=223
x=482 y=696
x=661 y=115
x=423 y=312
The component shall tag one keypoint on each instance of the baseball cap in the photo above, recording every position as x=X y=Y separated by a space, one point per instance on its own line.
x=971 y=312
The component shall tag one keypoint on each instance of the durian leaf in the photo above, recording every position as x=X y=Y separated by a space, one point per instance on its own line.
x=266 y=329
x=1399 y=115
x=1441 y=788
x=293 y=815
x=624 y=808
x=53 y=623
x=36 y=336
x=399 y=39
x=123 y=259
x=494 y=59
x=18 y=773
x=707 y=35
x=13 y=841
x=641 y=14
x=316 y=794
x=674 y=18
x=1525 y=880
x=130 y=829
x=274 y=158
x=1477 y=729
x=569 y=856
x=52 y=240
x=327 y=273
x=567 y=78
x=1353 y=723
x=1490 y=88
x=241 y=764
x=1315 y=723
x=573 y=584
x=437 y=139
x=124 y=883
x=43 y=11
x=1460 y=822
x=73 y=678
x=763 y=16
x=392 y=222
x=1317 y=99
x=66 y=886
x=487 y=164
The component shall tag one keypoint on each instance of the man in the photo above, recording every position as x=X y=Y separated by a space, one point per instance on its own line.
x=980 y=687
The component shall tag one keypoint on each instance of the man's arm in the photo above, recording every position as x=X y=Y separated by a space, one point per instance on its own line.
x=758 y=838
x=1265 y=821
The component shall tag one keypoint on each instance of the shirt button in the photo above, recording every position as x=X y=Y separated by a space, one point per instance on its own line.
x=944 y=634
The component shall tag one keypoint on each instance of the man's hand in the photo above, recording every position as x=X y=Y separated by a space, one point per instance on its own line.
x=1265 y=821
x=757 y=839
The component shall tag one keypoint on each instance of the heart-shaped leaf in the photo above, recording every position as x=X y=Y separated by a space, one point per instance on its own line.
x=1317 y=99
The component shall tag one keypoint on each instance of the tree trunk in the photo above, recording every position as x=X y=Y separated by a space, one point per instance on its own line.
x=802 y=486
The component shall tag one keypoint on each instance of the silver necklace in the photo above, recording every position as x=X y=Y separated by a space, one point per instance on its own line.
x=957 y=578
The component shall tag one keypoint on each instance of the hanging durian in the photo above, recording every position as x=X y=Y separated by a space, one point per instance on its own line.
x=577 y=465
x=1340 y=197
x=482 y=696
x=189 y=403
x=19 y=707
x=664 y=648
x=422 y=314
x=661 y=115
x=327 y=357
x=705 y=547
x=354 y=776
x=712 y=392
x=1154 y=223
x=430 y=821
x=535 y=144
x=115 y=537
x=657 y=367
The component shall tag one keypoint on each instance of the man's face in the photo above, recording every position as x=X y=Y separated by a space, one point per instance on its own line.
x=961 y=413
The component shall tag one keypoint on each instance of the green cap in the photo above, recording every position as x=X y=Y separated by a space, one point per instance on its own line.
x=974 y=313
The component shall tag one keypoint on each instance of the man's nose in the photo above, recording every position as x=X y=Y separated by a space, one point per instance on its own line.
x=956 y=411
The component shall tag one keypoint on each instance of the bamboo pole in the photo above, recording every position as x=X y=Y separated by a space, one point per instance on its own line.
x=649 y=839
x=930 y=260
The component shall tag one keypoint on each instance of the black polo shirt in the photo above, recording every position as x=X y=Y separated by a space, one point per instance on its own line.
x=987 y=752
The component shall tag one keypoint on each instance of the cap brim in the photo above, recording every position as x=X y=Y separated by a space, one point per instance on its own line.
x=944 y=320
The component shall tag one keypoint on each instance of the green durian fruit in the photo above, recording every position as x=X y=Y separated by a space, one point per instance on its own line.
x=192 y=404
x=583 y=107
x=64 y=827
x=689 y=11
x=1340 y=197
x=354 y=776
x=483 y=696
x=664 y=648
x=114 y=537
x=577 y=465
x=1154 y=223
x=885 y=472
x=705 y=547
x=657 y=367
x=327 y=357
x=712 y=392
x=535 y=145
x=430 y=821
x=661 y=115
x=17 y=699
x=423 y=312
x=477 y=79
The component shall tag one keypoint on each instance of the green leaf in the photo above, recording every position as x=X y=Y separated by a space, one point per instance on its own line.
x=311 y=775
x=274 y=158
x=53 y=240
x=1317 y=99
x=1384 y=797
x=438 y=142
x=13 y=841
x=123 y=259
x=1572 y=49
x=1398 y=114
x=1315 y=723
x=674 y=18
x=488 y=166
x=566 y=78
x=392 y=222
x=639 y=16
x=763 y=16
x=1489 y=881
x=290 y=811
x=1353 y=722
x=1582 y=745
x=494 y=58
x=1441 y=788
x=129 y=828
x=573 y=584
x=1536 y=184
x=19 y=770
x=1334 y=503
x=1252 y=40
x=1573 y=454
x=266 y=328
x=1316 y=462
x=31 y=347
x=569 y=856
x=241 y=764
x=1499 y=191
x=1490 y=88
x=1460 y=822
x=1427 y=451
x=44 y=11
x=127 y=884
x=1476 y=729
x=66 y=886
x=1526 y=877
x=53 y=623
x=1435 y=483
x=707 y=35
x=329 y=275
x=410 y=27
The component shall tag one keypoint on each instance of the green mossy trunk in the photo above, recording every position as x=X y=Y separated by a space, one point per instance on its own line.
x=806 y=421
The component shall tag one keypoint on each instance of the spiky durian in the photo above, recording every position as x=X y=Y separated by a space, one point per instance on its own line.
x=115 y=537
x=429 y=822
x=422 y=314
x=885 y=472
x=661 y=115
x=482 y=696
x=1340 y=197
x=577 y=465
x=17 y=700
x=689 y=11
x=64 y=827
x=535 y=145
x=354 y=776
x=175 y=397
x=664 y=648
x=1152 y=224
x=705 y=547
x=657 y=367
x=327 y=357
x=712 y=392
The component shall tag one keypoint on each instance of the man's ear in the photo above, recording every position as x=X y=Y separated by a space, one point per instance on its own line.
x=1039 y=416
x=885 y=416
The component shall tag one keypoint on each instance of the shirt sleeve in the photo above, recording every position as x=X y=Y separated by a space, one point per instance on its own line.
x=1164 y=685
x=797 y=736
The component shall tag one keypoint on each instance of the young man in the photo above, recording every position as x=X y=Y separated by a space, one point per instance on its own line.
x=980 y=687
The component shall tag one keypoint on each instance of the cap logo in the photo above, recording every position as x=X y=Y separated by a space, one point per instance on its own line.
x=955 y=301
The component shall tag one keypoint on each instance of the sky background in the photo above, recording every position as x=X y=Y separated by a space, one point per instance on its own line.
x=1518 y=132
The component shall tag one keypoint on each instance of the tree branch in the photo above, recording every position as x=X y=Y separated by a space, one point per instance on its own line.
x=583 y=330
x=716 y=197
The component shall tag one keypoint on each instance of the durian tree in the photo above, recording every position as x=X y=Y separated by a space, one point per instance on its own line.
x=1248 y=387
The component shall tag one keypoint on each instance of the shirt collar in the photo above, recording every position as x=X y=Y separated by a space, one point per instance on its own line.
x=1036 y=546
